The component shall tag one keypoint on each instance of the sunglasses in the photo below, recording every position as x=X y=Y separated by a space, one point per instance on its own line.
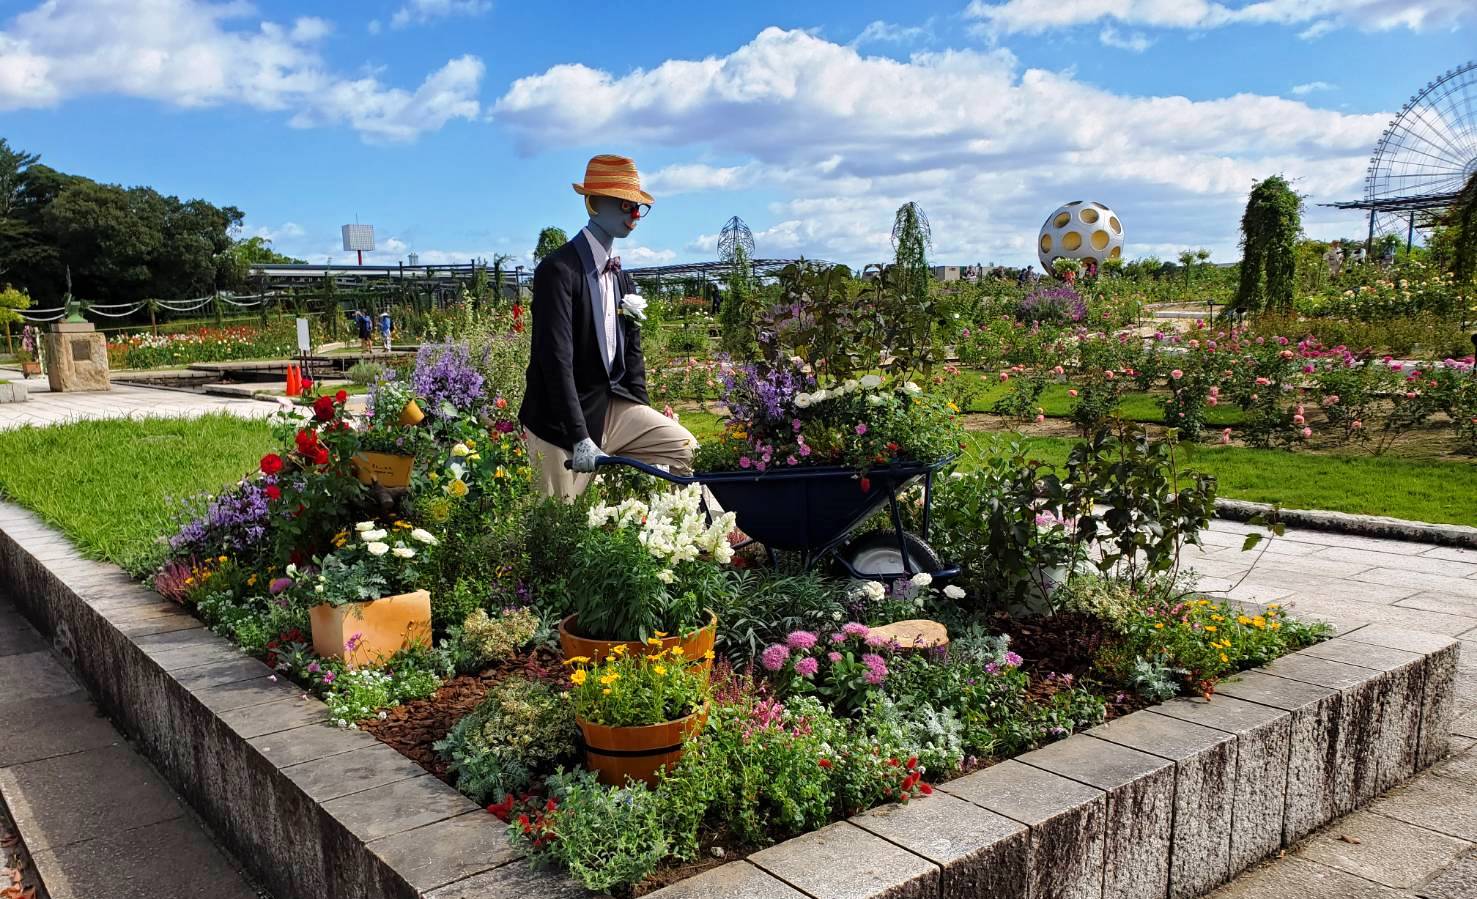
x=629 y=207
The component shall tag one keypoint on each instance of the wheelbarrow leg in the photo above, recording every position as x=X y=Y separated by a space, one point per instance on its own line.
x=897 y=529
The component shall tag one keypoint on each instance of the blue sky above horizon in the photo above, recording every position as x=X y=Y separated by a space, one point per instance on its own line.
x=456 y=126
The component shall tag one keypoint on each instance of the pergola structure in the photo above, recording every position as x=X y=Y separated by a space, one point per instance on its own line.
x=1406 y=207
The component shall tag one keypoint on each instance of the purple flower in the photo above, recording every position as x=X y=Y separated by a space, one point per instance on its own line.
x=875 y=677
x=353 y=642
x=800 y=640
x=861 y=428
x=278 y=585
x=855 y=629
x=992 y=668
x=233 y=522
x=774 y=657
x=838 y=637
x=874 y=662
x=834 y=657
x=444 y=373
x=328 y=677
x=807 y=667
x=1012 y=659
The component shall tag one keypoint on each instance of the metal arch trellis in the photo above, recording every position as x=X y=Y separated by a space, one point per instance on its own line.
x=1425 y=155
x=900 y=222
x=735 y=236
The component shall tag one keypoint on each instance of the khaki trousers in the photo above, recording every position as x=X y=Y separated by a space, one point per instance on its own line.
x=631 y=429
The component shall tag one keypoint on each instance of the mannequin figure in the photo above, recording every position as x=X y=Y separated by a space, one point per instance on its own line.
x=586 y=382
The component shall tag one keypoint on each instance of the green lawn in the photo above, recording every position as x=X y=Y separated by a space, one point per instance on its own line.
x=1416 y=489
x=1136 y=406
x=108 y=484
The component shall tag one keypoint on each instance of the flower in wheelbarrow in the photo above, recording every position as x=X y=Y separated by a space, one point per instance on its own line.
x=954 y=591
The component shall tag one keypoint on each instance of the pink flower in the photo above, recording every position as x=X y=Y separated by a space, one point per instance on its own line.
x=807 y=667
x=1012 y=659
x=1176 y=374
x=791 y=460
x=1109 y=374
x=774 y=656
x=353 y=642
x=1040 y=419
x=1297 y=419
x=838 y=637
x=855 y=629
x=1058 y=370
x=745 y=462
x=1071 y=393
x=1263 y=382
x=1212 y=400
x=861 y=429
x=1226 y=436
x=1005 y=376
x=328 y=677
x=1356 y=424
x=1331 y=400
x=800 y=640
x=834 y=657
x=875 y=677
x=1307 y=432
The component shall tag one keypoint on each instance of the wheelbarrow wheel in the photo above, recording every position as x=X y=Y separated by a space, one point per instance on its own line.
x=877 y=555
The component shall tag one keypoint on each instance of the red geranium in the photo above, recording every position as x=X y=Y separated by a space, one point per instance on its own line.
x=320 y=455
x=271 y=463
x=323 y=408
x=307 y=441
x=273 y=492
x=341 y=397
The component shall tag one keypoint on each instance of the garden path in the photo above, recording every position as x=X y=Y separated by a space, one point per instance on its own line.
x=1420 y=839
x=123 y=401
x=95 y=818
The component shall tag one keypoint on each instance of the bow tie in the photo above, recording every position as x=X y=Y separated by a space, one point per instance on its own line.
x=612 y=266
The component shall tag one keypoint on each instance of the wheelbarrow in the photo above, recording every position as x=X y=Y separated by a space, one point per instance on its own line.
x=813 y=511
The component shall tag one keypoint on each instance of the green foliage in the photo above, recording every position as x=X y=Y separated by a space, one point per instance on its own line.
x=520 y=731
x=605 y=837
x=911 y=240
x=1269 y=233
x=1462 y=219
x=493 y=639
x=738 y=311
x=11 y=301
x=549 y=240
x=636 y=689
x=377 y=564
x=366 y=373
x=765 y=605
x=1110 y=601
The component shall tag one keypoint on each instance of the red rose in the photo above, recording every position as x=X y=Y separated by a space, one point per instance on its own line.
x=307 y=383
x=306 y=440
x=320 y=455
x=341 y=397
x=323 y=408
x=273 y=492
x=271 y=463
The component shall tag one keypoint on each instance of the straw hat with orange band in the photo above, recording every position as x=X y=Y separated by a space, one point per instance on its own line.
x=612 y=176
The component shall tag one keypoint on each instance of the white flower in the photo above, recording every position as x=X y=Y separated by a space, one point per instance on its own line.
x=666 y=576
x=871 y=382
x=634 y=304
x=954 y=591
x=318 y=588
x=912 y=389
x=373 y=536
x=363 y=526
x=459 y=450
x=820 y=395
x=424 y=536
x=404 y=552
x=384 y=715
x=874 y=591
x=291 y=570
x=877 y=399
x=836 y=615
x=802 y=401
x=850 y=385
x=378 y=549
x=922 y=579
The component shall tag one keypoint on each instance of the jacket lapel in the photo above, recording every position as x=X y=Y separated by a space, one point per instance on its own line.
x=592 y=288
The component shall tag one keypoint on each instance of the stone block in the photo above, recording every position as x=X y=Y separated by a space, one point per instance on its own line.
x=171 y=859
x=727 y=882
x=286 y=714
x=842 y=861
x=17 y=635
x=219 y=673
x=448 y=851
x=51 y=726
x=399 y=806
x=353 y=772
x=1443 y=661
x=31 y=675
x=981 y=855
x=1312 y=764
x=1380 y=718
x=1263 y=742
x=1139 y=812
x=257 y=691
x=12 y=392
x=76 y=360
x=1383 y=850
x=1204 y=790
x=1458 y=881
x=308 y=742
x=1064 y=853
x=516 y=879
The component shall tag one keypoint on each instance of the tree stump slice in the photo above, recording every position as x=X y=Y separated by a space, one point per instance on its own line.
x=915 y=633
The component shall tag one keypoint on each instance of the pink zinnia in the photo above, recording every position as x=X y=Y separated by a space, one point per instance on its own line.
x=745 y=461
x=807 y=667
x=775 y=656
x=800 y=640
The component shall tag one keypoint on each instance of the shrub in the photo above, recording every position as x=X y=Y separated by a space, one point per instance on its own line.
x=519 y=731
x=607 y=837
x=490 y=639
x=366 y=373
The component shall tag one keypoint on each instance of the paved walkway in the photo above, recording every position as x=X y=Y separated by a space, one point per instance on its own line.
x=123 y=401
x=1419 y=840
x=96 y=819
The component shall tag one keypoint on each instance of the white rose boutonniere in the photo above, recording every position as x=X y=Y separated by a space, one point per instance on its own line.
x=634 y=304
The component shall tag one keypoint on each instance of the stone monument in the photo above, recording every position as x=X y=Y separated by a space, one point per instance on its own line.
x=76 y=355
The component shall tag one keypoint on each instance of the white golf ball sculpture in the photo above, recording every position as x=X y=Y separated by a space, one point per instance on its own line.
x=1082 y=231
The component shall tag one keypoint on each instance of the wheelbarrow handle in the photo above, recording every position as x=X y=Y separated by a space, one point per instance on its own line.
x=604 y=461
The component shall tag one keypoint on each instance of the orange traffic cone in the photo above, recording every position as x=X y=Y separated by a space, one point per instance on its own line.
x=293 y=387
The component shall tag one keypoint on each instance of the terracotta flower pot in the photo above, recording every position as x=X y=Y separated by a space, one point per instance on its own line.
x=389 y=469
x=637 y=753
x=362 y=633
x=411 y=415
x=695 y=646
x=30 y=369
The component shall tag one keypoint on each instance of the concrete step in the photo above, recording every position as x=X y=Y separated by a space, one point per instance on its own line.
x=93 y=816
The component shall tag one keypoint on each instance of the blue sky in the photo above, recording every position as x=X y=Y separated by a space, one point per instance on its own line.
x=456 y=126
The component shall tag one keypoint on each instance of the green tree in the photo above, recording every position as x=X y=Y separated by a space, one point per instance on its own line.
x=911 y=239
x=736 y=313
x=1269 y=235
x=11 y=302
x=1461 y=221
x=549 y=240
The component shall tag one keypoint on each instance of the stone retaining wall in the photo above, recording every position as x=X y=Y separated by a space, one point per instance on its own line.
x=1167 y=802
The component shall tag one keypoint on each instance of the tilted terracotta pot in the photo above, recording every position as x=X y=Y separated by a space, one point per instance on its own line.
x=411 y=415
x=363 y=633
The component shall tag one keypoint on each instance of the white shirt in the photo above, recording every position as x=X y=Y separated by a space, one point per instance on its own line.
x=607 y=281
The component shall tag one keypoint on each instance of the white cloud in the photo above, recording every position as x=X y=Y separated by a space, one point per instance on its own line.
x=419 y=12
x=888 y=32
x=986 y=147
x=190 y=53
x=1320 y=16
x=285 y=231
x=1302 y=90
x=1136 y=42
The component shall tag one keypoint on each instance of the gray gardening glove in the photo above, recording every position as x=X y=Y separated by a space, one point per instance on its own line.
x=585 y=454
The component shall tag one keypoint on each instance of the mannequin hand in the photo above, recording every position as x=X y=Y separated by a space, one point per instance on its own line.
x=634 y=304
x=585 y=454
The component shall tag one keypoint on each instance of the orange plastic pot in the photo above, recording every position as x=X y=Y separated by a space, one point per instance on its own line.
x=388 y=469
x=695 y=646
x=618 y=754
x=363 y=633
x=411 y=415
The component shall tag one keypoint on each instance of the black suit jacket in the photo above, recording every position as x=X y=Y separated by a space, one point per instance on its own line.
x=569 y=386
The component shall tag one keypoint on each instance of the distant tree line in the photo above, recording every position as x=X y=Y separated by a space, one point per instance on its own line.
x=120 y=244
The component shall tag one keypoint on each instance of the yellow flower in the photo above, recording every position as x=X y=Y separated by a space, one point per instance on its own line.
x=500 y=473
x=402 y=525
x=1158 y=625
x=605 y=692
x=1217 y=618
x=457 y=487
x=577 y=660
x=251 y=581
x=610 y=677
x=659 y=633
x=653 y=641
x=578 y=677
x=659 y=669
x=471 y=444
x=1203 y=602
x=1225 y=658
x=620 y=649
x=1259 y=622
x=708 y=655
x=1210 y=628
x=221 y=559
x=1274 y=605
x=1242 y=619
x=189 y=580
x=952 y=407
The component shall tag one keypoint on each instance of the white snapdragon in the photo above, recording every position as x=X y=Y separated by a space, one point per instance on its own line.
x=377 y=548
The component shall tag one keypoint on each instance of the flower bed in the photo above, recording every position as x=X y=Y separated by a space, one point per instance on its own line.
x=803 y=711
x=201 y=345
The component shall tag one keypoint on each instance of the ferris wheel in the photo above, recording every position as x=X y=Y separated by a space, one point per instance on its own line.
x=1425 y=154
